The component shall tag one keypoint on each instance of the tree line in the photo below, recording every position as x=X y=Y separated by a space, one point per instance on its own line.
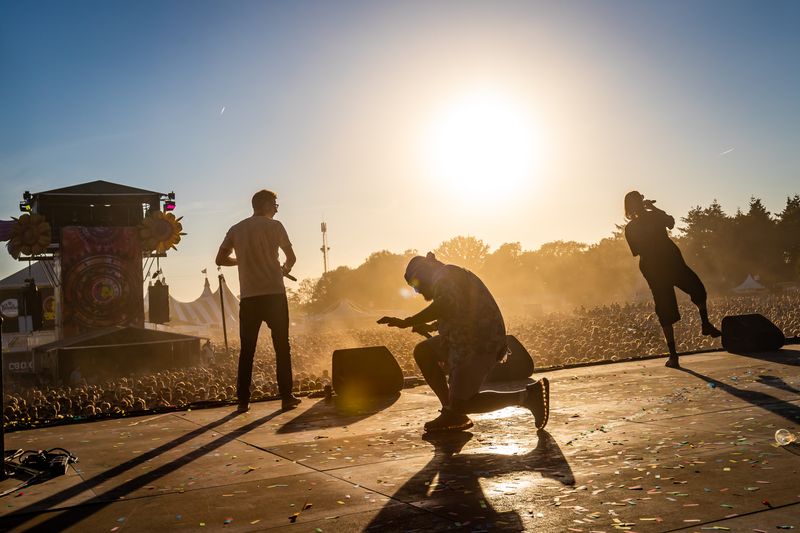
x=723 y=249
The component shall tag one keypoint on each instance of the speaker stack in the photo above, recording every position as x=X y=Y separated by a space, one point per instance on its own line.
x=158 y=303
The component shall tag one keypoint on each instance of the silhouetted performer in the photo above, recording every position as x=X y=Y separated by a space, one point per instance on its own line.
x=663 y=267
x=256 y=241
x=471 y=340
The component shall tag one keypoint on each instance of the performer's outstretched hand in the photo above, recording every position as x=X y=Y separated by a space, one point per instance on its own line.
x=393 y=322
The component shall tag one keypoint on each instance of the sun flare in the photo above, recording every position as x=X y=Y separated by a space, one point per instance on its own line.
x=482 y=144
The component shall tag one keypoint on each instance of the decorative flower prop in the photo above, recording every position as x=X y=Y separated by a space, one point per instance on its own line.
x=160 y=231
x=29 y=236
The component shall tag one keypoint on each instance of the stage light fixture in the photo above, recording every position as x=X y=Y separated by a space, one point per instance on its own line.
x=26 y=204
x=169 y=203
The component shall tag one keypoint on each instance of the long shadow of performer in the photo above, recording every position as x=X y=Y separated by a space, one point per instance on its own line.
x=782 y=408
x=74 y=515
x=781 y=356
x=777 y=382
x=453 y=479
x=663 y=267
x=343 y=411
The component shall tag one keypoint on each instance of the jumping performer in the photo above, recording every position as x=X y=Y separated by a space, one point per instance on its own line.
x=663 y=267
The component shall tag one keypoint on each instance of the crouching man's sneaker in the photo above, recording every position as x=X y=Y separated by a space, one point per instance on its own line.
x=537 y=399
x=448 y=421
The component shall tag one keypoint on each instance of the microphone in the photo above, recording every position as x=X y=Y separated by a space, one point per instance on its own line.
x=289 y=276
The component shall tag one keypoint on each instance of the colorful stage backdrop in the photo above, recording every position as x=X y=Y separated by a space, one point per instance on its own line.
x=101 y=279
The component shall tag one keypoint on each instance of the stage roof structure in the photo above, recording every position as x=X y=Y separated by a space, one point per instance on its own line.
x=99 y=188
x=96 y=203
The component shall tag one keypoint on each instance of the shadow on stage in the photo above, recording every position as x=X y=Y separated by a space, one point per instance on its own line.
x=337 y=413
x=448 y=493
x=781 y=357
x=74 y=515
x=782 y=408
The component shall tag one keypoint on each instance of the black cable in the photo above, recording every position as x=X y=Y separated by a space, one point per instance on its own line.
x=39 y=464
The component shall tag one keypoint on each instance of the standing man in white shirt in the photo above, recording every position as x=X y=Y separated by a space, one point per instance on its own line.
x=255 y=241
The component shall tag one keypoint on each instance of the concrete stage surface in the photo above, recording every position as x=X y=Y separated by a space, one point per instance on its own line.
x=630 y=446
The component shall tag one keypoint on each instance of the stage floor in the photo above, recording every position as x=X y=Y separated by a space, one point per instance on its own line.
x=630 y=446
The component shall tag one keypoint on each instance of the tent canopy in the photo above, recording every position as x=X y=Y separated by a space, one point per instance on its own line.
x=343 y=311
x=205 y=310
x=17 y=279
x=749 y=285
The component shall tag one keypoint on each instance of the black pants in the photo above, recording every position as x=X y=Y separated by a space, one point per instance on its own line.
x=274 y=310
x=663 y=284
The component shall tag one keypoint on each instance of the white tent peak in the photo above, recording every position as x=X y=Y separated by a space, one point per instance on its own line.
x=205 y=310
x=206 y=289
x=749 y=285
x=345 y=311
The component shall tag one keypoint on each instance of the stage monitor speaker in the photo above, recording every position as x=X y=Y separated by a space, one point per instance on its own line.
x=366 y=372
x=158 y=306
x=518 y=364
x=750 y=333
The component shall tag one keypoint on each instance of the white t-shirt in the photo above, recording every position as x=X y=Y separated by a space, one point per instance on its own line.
x=255 y=241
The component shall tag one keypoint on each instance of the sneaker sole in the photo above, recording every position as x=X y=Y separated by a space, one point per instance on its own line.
x=546 y=401
x=462 y=427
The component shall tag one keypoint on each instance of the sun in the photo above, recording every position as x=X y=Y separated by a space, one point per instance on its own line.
x=482 y=145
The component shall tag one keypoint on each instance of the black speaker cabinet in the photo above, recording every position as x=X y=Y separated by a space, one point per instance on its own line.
x=366 y=372
x=518 y=364
x=750 y=333
x=158 y=307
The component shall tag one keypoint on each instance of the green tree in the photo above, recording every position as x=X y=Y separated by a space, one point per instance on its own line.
x=302 y=297
x=503 y=274
x=467 y=252
x=377 y=283
x=562 y=248
x=757 y=245
x=330 y=289
x=559 y=267
x=789 y=237
x=708 y=244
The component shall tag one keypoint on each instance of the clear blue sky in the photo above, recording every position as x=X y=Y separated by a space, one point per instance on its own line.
x=328 y=103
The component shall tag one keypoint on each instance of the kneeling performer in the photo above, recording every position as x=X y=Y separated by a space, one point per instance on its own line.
x=471 y=340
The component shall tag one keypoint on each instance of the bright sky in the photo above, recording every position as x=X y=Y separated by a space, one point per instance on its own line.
x=401 y=124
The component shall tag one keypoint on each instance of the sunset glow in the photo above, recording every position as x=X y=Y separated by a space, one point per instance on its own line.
x=482 y=144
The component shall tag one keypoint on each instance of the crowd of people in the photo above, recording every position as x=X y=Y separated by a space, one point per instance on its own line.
x=610 y=332
x=614 y=332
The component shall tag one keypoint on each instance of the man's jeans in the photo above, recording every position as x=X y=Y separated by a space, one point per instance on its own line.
x=274 y=310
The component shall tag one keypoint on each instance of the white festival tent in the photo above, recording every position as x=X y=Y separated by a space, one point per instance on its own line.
x=749 y=285
x=205 y=310
x=343 y=313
